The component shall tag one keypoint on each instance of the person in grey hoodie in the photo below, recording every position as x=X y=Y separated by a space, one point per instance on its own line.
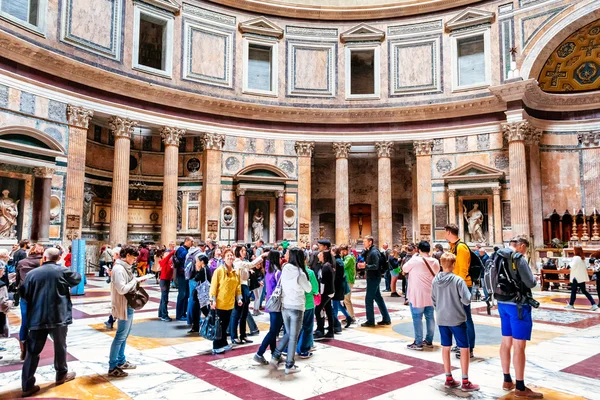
x=450 y=296
x=295 y=283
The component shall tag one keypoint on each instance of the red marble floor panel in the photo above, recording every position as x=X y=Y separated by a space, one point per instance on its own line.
x=420 y=370
x=592 y=319
x=578 y=302
x=589 y=367
x=46 y=358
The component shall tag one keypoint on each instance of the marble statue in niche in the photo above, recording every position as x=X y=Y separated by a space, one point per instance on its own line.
x=258 y=220
x=8 y=216
x=474 y=220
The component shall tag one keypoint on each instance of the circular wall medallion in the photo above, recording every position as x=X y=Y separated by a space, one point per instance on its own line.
x=501 y=161
x=288 y=167
x=443 y=165
x=102 y=214
x=154 y=216
x=193 y=165
x=232 y=164
x=227 y=216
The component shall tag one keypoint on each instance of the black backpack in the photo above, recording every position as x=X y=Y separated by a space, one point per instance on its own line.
x=384 y=262
x=476 y=265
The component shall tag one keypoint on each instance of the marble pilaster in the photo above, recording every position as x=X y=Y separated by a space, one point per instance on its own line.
x=342 y=200
x=516 y=133
x=535 y=188
x=241 y=214
x=384 y=197
x=44 y=174
x=423 y=150
x=122 y=129
x=304 y=150
x=78 y=118
x=168 y=229
x=452 y=206
x=279 y=195
x=211 y=185
x=498 y=239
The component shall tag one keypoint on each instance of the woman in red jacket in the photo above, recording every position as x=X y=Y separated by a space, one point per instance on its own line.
x=166 y=276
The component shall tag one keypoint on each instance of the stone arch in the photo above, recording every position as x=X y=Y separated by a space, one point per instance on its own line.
x=266 y=170
x=555 y=35
x=37 y=139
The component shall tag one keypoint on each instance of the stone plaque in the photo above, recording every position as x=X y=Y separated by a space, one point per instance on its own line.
x=305 y=229
x=441 y=216
x=193 y=218
x=506 y=223
x=213 y=225
x=425 y=229
x=73 y=221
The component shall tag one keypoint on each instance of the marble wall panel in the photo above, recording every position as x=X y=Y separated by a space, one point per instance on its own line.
x=532 y=24
x=10 y=119
x=559 y=139
x=3 y=96
x=93 y=26
x=312 y=68
x=27 y=104
x=561 y=189
x=415 y=65
x=591 y=177
x=208 y=54
x=481 y=158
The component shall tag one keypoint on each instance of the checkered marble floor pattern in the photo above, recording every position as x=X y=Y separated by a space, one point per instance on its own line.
x=361 y=363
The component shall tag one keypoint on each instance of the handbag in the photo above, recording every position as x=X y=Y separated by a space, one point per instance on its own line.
x=138 y=298
x=317 y=298
x=211 y=327
x=275 y=301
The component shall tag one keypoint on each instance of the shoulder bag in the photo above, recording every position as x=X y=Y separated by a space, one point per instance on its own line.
x=275 y=301
x=428 y=267
x=211 y=327
x=138 y=298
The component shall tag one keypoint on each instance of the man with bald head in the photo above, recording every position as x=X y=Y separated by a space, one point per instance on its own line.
x=47 y=290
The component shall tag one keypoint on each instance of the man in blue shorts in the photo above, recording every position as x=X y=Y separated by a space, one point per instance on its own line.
x=516 y=324
x=450 y=295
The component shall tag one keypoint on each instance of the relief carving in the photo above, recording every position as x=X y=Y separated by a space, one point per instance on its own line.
x=423 y=147
x=213 y=141
x=79 y=116
x=521 y=131
x=341 y=149
x=589 y=139
x=121 y=127
x=171 y=135
x=304 y=149
x=443 y=166
x=384 y=149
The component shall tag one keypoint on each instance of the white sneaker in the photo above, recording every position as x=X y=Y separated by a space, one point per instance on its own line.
x=594 y=307
x=569 y=307
x=294 y=369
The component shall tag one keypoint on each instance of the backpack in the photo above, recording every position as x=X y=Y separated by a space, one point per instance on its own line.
x=384 y=262
x=476 y=265
x=501 y=279
x=190 y=262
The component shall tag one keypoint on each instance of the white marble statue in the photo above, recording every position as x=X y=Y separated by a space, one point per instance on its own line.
x=475 y=223
x=8 y=216
x=257 y=225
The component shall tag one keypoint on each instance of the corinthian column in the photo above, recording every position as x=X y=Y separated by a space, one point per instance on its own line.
x=44 y=174
x=342 y=202
x=122 y=129
x=516 y=134
x=168 y=229
x=211 y=185
x=384 y=197
x=79 y=119
x=304 y=150
x=424 y=200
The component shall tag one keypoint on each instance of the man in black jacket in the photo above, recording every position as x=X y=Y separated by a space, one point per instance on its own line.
x=371 y=255
x=47 y=292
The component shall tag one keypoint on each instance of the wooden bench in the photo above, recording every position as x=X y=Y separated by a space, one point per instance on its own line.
x=561 y=272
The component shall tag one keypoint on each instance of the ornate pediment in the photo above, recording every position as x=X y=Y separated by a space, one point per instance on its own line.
x=469 y=17
x=473 y=171
x=362 y=33
x=169 y=5
x=261 y=26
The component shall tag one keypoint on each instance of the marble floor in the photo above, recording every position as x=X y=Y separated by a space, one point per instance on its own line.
x=361 y=363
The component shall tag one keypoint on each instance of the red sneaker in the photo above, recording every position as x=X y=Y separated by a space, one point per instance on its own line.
x=451 y=384
x=469 y=387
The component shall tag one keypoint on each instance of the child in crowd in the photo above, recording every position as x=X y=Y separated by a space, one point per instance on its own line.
x=450 y=295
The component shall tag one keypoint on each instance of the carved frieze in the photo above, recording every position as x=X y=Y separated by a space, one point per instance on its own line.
x=589 y=139
x=79 y=116
x=213 y=141
x=171 y=135
x=423 y=147
x=304 y=149
x=384 y=149
x=121 y=127
x=341 y=149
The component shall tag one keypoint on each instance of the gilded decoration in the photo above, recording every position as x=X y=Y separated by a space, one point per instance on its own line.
x=575 y=64
x=341 y=149
x=79 y=116
x=171 y=136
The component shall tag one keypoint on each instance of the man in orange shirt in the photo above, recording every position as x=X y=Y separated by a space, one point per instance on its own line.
x=463 y=262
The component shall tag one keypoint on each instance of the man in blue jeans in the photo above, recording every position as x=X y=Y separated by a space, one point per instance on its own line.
x=371 y=256
x=182 y=285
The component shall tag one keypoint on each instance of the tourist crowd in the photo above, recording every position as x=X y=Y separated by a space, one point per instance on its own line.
x=303 y=290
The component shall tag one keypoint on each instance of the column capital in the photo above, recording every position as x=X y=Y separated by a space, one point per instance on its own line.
x=171 y=135
x=213 y=141
x=423 y=147
x=451 y=192
x=279 y=193
x=341 y=149
x=521 y=131
x=121 y=127
x=384 y=149
x=496 y=191
x=79 y=116
x=43 y=172
x=589 y=139
x=304 y=149
x=240 y=192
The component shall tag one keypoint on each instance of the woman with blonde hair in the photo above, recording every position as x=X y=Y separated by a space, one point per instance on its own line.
x=579 y=276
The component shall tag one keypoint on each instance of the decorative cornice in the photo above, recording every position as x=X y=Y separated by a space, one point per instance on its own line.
x=213 y=141
x=304 y=149
x=121 y=127
x=43 y=172
x=521 y=131
x=513 y=91
x=79 y=116
x=169 y=5
x=261 y=26
x=469 y=17
x=362 y=33
x=327 y=12
x=384 y=149
x=537 y=99
x=423 y=147
x=341 y=149
x=589 y=139
x=171 y=135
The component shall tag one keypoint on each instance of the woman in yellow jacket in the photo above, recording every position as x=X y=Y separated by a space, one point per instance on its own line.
x=225 y=289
